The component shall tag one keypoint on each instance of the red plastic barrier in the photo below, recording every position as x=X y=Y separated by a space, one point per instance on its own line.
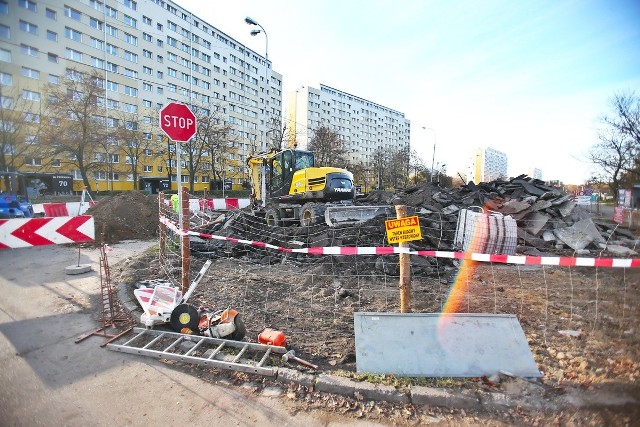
x=55 y=209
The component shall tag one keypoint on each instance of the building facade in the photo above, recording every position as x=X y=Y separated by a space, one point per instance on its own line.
x=487 y=164
x=364 y=125
x=147 y=53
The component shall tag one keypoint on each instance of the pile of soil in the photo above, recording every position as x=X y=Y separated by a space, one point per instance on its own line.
x=130 y=215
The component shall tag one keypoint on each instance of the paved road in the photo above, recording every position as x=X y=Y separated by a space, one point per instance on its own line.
x=47 y=379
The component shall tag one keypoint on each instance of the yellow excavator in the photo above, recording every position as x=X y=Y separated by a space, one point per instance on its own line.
x=288 y=189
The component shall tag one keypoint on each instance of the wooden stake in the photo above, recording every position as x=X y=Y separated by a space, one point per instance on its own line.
x=405 y=269
x=162 y=228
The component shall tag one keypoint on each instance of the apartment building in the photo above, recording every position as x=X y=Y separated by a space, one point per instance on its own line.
x=149 y=53
x=487 y=164
x=364 y=125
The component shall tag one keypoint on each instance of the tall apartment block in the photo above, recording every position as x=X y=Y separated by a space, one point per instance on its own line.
x=149 y=52
x=364 y=125
x=487 y=164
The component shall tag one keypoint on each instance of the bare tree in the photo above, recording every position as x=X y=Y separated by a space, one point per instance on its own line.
x=380 y=166
x=617 y=154
x=328 y=147
x=418 y=170
x=22 y=121
x=77 y=107
x=134 y=140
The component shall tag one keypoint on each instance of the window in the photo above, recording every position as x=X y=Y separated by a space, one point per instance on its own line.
x=131 y=91
x=146 y=20
x=96 y=5
x=112 y=86
x=131 y=39
x=146 y=103
x=29 y=95
x=6 y=102
x=112 y=67
x=172 y=26
x=131 y=125
x=55 y=163
x=159 y=168
x=159 y=75
x=112 y=31
x=111 y=12
x=147 y=37
x=130 y=56
x=28 y=50
x=31 y=117
x=172 y=57
x=51 y=14
x=72 y=34
x=170 y=41
x=73 y=54
x=28 y=27
x=95 y=23
x=28 y=4
x=159 y=58
x=130 y=73
x=52 y=57
x=33 y=161
x=159 y=27
x=98 y=44
x=159 y=90
x=160 y=43
x=130 y=4
x=130 y=21
x=4 y=7
x=112 y=49
x=96 y=62
x=171 y=72
x=6 y=79
x=5 y=32
x=147 y=70
x=70 y=12
x=30 y=73
x=147 y=53
x=147 y=87
x=53 y=79
x=114 y=158
x=148 y=168
x=52 y=36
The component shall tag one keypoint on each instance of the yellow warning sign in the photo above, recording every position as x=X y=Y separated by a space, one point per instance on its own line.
x=403 y=229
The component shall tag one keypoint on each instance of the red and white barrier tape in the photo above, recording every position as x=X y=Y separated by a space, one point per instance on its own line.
x=389 y=250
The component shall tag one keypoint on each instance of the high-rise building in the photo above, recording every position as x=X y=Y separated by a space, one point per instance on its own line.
x=364 y=125
x=147 y=53
x=487 y=164
x=536 y=173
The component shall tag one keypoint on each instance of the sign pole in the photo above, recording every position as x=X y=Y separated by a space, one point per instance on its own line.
x=179 y=179
x=405 y=269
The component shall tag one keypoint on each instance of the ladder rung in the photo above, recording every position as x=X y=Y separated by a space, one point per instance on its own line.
x=264 y=358
x=192 y=349
x=155 y=340
x=235 y=360
x=175 y=343
x=216 y=351
x=132 y=339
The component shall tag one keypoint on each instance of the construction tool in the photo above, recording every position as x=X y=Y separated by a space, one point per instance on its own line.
x=291 y=355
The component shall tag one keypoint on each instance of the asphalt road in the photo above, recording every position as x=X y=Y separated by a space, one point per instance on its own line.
x=47 y=379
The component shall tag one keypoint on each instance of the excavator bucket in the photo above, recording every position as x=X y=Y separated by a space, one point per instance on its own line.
x=335 y=215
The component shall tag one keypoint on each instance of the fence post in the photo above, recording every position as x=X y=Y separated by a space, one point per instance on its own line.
x=186 y=253
x=405 y=269
x=161 y=228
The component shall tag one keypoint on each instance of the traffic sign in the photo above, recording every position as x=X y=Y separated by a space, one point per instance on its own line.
x=178 y=122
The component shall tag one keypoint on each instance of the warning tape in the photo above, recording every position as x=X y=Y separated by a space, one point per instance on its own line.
x=390 y=250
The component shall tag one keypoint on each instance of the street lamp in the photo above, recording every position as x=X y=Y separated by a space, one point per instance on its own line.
x=434 y=149
x=250 y=21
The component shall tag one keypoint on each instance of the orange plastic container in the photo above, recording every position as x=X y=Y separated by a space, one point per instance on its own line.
x=272 y=337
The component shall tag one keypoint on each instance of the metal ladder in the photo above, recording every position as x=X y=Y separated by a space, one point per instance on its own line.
x=215 y=352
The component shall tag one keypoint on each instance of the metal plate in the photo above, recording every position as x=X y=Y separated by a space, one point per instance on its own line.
x=441 y=345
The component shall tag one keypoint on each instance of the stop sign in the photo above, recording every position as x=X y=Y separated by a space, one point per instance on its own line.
x=178 y=121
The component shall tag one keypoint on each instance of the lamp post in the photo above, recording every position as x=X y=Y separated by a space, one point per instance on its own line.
x=434 y=149
x=250 y=21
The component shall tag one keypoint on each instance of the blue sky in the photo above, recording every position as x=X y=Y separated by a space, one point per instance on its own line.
x=529 y=78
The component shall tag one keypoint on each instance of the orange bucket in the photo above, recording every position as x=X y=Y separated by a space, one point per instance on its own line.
x=272 y=337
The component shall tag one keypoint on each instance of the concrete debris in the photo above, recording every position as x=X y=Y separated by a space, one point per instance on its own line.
x=547 y=218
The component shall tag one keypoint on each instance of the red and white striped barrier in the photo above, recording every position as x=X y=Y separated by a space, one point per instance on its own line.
x=389 y=250
x=229 y=203
x=62 y=209
x=28 y=232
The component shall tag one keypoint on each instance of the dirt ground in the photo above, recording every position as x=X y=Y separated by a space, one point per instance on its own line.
x=582 y=324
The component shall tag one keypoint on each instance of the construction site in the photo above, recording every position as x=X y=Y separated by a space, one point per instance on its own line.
x=577 y=308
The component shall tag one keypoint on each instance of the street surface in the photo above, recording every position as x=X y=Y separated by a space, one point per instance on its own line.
x=47 y=379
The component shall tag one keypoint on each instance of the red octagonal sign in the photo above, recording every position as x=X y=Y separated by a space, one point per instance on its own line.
x=178 y=121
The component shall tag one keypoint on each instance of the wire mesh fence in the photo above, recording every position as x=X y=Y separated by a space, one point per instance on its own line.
x=312 y=295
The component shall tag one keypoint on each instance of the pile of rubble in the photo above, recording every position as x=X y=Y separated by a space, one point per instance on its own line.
x=131 y=215
x=548 y=221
